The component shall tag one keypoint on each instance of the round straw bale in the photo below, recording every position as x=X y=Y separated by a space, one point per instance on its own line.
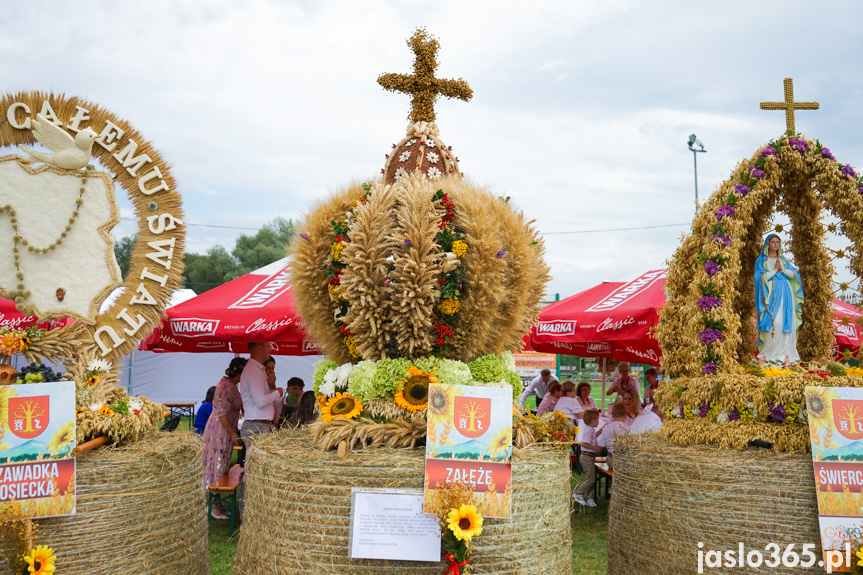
x=676 y=497
x=140 y=510
x=298 y=509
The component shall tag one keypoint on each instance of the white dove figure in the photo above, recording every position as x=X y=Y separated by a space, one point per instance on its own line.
x=69 y=153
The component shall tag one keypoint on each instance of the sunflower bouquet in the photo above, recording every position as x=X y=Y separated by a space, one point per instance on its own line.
x=460 y=521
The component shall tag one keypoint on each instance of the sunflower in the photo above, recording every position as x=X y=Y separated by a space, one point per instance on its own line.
x=6 y=392
x=40 y=560
x=413 y=391
x=93 y=380
x=24 y=343
x=441 y=402
x=63 y=438
x=465 y=522
x=819 y=403
x=501 y=443
x=342 y=405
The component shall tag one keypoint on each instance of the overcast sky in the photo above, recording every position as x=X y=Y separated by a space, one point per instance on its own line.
x=581 y=109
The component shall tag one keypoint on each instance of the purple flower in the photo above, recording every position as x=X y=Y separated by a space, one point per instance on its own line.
x=860 y=190
x=407 y=242
x=709 y=369
x=849 y=172
x=711 y=335
x=500 y=254
x=709 y=302
x=682 y=410
x=712 y=268
x=725 y=210
x=755 y=173
x=798 y=144
x=703 y=410
x=721 y=239
x=768 y=151
x=826 y=153
x=734 y=415
x=304 y=236
x=777 y=412
x=741 y=189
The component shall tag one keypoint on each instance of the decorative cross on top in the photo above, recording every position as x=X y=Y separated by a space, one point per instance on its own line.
x=423 y=85
x=789 y=105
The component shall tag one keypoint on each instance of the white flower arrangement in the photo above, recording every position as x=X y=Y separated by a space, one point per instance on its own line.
x=411 y=142
x=336 y=379
x=803 y=415
x=434 y=173
x=135 y=405
x=405 y=156
x=722 y=417
x=429 y=142
x=99 y=366
x=400 y=173
x=433 y=158
x=96 y=406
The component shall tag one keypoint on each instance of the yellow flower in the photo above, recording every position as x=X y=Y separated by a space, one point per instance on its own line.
x=859 y=554
x=93 y=380
x=459 y=248
x=413 y=391
x=774 y=371
x=342 y=405
x=40 y=561
x=335 y=292
x=819 y=404
x=9 y=344
x=336 y=249
x=105 y=410
x=854 y=371
x=501 y=443
x=6 y=392
x=465 y=522
x=63 y=438
x=352 y=346
x=441 y=403
x=24 y=343
x=449 y=306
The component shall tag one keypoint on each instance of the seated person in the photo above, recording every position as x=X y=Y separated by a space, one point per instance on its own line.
x=651 y=376
x=204 y=411
x=617 y=427
x=568 y=404
x=555 y=391
x=585 y=402
x=589 y=449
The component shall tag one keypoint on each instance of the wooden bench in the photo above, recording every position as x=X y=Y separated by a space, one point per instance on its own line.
x=602 y=472
x=225 y=487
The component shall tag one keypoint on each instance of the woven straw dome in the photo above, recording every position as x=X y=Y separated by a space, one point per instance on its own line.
x=423 y=152
x=393 y=267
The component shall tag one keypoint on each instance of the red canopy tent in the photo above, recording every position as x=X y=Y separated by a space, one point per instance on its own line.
x=11 y=318
x=611 y=320
x=845 y=328
x=258 y=306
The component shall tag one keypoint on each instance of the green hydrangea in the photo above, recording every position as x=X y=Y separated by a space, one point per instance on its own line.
x=361 y=381
x=453 y=372
x=427 y=364
x=321 y=368
x=377 y=380
x=493 y=368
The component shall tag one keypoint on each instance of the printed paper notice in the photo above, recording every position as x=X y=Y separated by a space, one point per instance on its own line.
x=390 y=524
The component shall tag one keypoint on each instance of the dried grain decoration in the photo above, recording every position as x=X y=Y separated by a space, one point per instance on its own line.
x=140 y=510
x=505 y=271
x=167 y=200
x=292 y=487
x=721 y=497
x=798 y=179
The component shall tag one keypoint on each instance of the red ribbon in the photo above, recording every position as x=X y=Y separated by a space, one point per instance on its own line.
x=454 y=566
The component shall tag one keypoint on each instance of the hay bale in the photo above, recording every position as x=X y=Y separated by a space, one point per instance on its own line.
x=298 y=506
x=679 y=496
x=140 y=510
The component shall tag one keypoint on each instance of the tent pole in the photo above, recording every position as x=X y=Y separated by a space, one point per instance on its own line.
x=604 y=368
x=131 y=364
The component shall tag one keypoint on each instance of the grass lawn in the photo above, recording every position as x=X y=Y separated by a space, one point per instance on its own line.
x=588 y=540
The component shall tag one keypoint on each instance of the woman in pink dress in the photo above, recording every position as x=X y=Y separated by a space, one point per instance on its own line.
x=221 y=434
x=555 y=391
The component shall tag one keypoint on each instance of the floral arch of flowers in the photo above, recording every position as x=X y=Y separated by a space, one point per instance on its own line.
x=707 y=331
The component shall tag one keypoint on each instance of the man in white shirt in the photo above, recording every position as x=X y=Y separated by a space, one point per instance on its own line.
x=539 y=386
x=259 y=409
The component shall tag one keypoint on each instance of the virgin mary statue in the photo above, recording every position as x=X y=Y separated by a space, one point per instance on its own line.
x=779 y=302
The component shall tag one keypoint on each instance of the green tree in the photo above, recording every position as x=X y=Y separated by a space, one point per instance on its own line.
x=205 y=271
x=123 y=249
x=265 y=247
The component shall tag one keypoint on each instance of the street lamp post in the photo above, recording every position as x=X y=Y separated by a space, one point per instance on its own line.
x=694 y=141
